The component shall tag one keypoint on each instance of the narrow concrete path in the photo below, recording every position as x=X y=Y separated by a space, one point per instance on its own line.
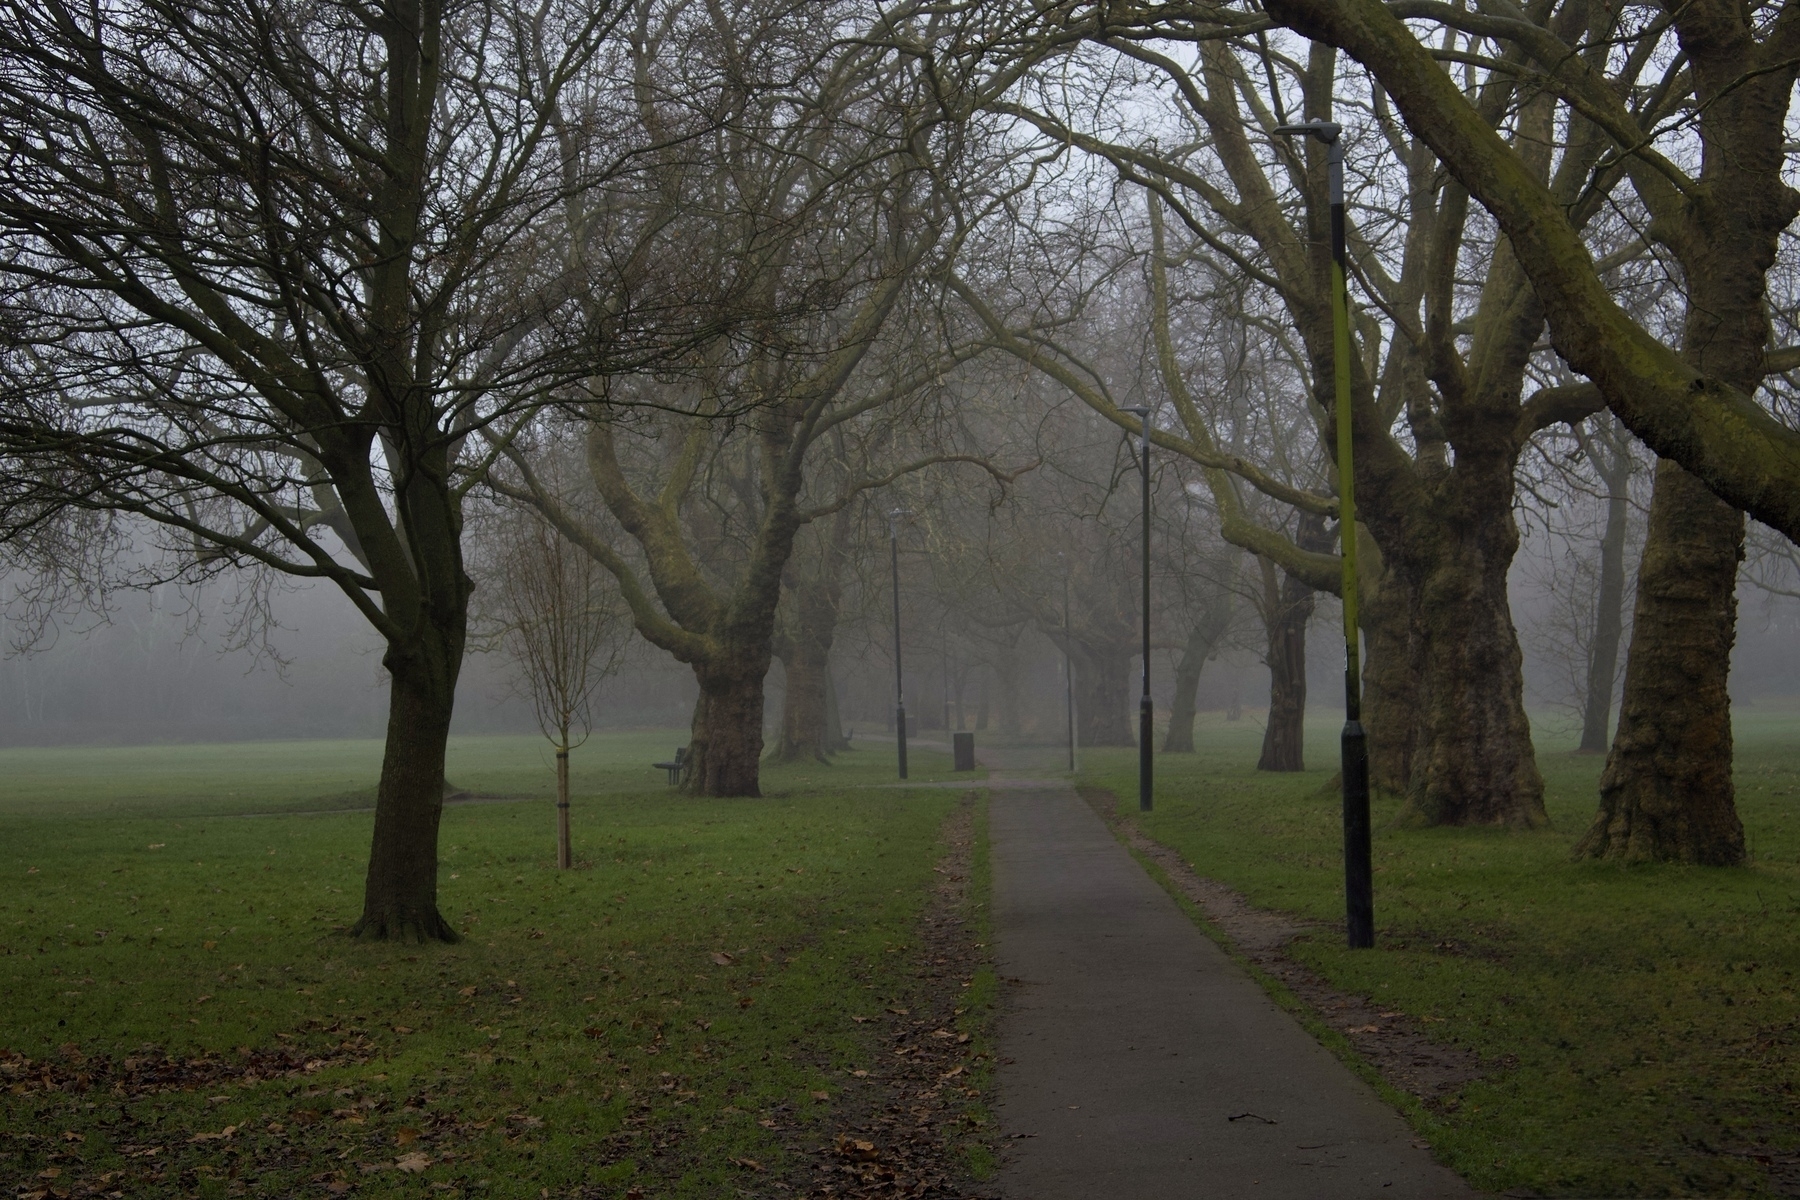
x=1138 y=1061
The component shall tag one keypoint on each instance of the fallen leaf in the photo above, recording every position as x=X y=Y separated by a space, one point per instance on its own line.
x=821 y=1095
x=962 y=1039
x=405 y=1136
x=157 y=845
x=213 y=1137
x=1385 y=1016
x=856 y=1149
x=209 y=945
x=860 y=1074
x=72 y=1136
x=952 y=1073
x=1364 y=1029
x=402 y=1029
x=203 y=1000
x=413 y=1163
x=721 y=958
x=594 y=1031
x=468 y=991
x=862 y=1020
x=898 y=1011
x=746 y=1001
x=749 y=1163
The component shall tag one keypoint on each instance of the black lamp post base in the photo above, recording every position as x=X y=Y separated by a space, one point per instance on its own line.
x=900 y=734
x=1146 y=740
x=1359 y=883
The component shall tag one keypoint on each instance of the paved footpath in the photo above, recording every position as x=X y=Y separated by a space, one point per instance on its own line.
x=1138 y=1062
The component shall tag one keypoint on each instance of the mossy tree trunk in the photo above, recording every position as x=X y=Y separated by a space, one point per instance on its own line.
x=725 y=750
x=1391 y=682
x=1666 y=793
x=1473 y=763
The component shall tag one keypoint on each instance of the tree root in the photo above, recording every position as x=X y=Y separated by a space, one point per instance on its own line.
x=403 y=925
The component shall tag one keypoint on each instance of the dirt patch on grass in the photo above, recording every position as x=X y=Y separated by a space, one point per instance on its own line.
x=907 y=1127
x=1398 y=1046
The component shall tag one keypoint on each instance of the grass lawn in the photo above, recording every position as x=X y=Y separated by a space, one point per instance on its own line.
x=673 y=1018
x=1640 y=1027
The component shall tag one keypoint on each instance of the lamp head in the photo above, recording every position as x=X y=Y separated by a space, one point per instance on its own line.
x=1325 y=131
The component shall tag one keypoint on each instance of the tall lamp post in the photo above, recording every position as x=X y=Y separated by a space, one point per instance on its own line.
x=1068 y=664
x=1146 y=713
x=1359 y=892
x=899 y=688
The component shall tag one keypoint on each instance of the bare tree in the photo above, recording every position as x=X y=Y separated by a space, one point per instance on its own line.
x=266 y=268
x=564 y=626
x=847 y=185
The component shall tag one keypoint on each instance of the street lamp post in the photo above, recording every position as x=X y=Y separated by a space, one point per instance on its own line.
x=1359 y=894
x=1146 y=713
x=899 y=687
x=1068 y=665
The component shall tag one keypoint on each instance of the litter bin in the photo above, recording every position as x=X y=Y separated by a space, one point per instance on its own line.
x=963 y=744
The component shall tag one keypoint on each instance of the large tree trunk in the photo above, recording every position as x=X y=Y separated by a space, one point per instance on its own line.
x=1609 y=607
x=1284 y=737
x=1101 y=683
x=804 y=725
x=1202 y=640
x=834 y=719
x=400 y=890
x=1391 y=682
x=1473 y=764
x=1666 y=793
x=1006 y=683
x=1180 y=738
x=727 y=743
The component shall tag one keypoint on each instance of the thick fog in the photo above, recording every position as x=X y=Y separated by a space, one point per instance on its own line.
x=163 y=666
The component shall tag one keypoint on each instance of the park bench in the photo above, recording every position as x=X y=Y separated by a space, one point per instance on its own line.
x=677 y=766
